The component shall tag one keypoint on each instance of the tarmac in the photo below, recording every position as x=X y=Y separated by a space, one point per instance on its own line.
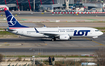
x=39 y=46
x=58 y=24
x=44 y=46
x=56 y=19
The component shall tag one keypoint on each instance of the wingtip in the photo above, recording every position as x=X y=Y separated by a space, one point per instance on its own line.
x=5 y=9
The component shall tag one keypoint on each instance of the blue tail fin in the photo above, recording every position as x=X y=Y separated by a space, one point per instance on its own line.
x=12 y=22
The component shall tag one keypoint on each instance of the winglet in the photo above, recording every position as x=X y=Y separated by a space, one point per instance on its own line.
x=36 y=30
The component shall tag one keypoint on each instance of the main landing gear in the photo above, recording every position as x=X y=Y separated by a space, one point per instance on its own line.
x=70 y=37
x=53 y=39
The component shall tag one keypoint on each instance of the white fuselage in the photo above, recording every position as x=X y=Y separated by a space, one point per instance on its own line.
x=49 y=32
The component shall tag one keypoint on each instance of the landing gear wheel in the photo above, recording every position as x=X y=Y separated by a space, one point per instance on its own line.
x=53 y=39
x=70 y=37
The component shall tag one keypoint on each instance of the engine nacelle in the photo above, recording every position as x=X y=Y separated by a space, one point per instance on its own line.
x=64 y=37
x=95 y=37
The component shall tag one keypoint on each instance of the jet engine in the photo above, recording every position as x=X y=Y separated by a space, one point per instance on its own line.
x=64 y=37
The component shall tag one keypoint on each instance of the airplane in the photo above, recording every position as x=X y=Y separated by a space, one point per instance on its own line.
x=62 y=33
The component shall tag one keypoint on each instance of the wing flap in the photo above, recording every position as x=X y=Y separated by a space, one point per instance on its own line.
x=51 y=34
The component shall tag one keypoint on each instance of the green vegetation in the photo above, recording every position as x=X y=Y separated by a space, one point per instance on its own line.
x=5 y=33
x=100 y=28
x=1 y=29
x=103 y=31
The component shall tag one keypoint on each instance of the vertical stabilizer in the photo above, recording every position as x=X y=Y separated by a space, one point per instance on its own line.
x=12 y=22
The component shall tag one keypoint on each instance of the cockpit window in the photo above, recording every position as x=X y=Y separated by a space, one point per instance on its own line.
x=96 y=30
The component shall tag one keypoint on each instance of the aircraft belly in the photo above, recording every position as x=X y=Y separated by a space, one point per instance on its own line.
x=35 y=35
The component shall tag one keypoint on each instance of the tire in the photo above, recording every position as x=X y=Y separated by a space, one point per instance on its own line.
x=53 y=39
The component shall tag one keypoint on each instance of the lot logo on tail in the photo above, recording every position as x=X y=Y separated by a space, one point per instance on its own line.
x=11 y=20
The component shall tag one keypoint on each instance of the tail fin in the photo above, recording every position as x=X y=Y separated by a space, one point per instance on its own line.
x=12 y=22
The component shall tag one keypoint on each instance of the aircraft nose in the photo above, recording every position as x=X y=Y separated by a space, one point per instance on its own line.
x=101 y=33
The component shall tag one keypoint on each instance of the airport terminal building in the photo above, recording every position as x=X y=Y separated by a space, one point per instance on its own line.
x=48 y=5
x=26 y=5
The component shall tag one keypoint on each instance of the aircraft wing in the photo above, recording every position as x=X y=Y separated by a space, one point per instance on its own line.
x=48 y=34
x=51 y=34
